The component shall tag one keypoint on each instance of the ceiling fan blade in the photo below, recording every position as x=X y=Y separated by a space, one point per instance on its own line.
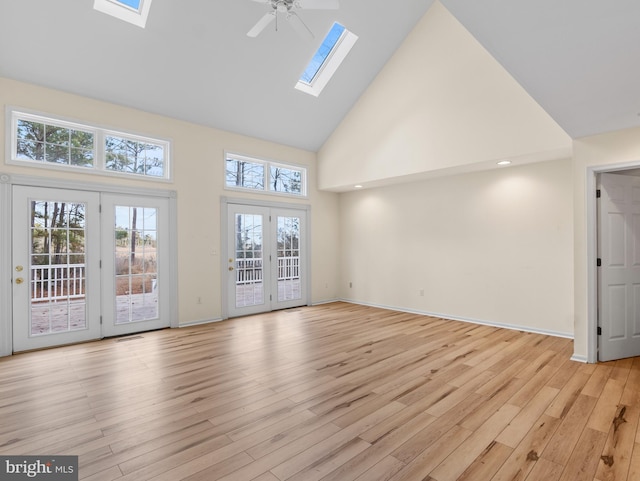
x=298 y=25
x=262 y=24
x=318 y=4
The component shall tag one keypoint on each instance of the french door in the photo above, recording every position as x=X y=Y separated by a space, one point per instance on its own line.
x=56 y=267
x=135 y=255
x=266 y=266
x=83 y=272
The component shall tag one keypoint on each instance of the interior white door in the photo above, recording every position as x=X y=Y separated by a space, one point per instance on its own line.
x=619 y=272
x=56 y=267
x=135 y=259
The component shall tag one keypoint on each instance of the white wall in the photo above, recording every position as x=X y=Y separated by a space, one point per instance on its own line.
x=493 y=246
x=198 y=180
x=441 y=104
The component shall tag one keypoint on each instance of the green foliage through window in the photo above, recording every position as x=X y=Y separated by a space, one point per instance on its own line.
x=54 y=144
x=134 y=157
x=58 y=143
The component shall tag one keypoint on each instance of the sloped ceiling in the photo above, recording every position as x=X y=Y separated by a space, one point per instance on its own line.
x=193 y=61
x=442 y=105
x=577 y=58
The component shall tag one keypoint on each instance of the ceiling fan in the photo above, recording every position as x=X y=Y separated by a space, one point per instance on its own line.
x=288 y=8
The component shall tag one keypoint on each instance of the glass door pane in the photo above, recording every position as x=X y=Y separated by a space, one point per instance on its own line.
x=57 y=274
x=288 y=245
x=136 y=263
x=249 y=285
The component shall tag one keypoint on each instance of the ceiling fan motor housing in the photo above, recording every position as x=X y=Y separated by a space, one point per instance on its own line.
x=282 y=5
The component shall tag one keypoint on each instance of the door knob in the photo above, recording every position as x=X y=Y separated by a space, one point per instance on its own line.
x=19 y=268
x=19 y=280
x=230 y=268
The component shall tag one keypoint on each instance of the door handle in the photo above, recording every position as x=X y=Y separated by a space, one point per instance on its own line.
x=230 y=268
x=19 y=280
x=19 y=268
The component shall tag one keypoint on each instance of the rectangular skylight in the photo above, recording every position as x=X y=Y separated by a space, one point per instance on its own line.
x=333 y=50
x=132 y=11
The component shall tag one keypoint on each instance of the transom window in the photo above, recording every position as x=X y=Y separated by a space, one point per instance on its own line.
x=133 y=156
x=55 y=143
x=248 y=173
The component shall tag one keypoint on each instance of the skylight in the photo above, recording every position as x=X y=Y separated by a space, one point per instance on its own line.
x=323 y=52
x=135 y=4
x=333 y=50
x=132 y=11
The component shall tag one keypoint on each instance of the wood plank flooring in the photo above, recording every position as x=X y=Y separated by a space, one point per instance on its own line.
x=333 y=392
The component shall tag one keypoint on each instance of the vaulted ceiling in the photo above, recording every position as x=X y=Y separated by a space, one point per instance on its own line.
x=577 y=58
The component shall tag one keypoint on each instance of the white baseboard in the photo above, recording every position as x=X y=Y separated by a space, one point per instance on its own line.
x=327 y=301
x=579 y=358
x=200 y=322
x=514 y=327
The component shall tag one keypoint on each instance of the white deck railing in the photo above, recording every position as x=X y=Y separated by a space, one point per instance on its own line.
x=68 y=281
x=249 y=271
x=63 y=281
x=288 y=268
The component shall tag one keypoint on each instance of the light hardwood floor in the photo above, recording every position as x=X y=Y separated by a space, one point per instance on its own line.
x=332 y=392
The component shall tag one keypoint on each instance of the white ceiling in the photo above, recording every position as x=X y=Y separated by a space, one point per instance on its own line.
x=577 y=58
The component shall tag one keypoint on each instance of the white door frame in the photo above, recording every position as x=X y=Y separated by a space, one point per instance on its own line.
x=592 y=250
x=7 y=181
x=225 y=255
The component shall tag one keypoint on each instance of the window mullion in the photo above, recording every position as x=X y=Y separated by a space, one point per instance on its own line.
x=267 y=176
x=99 y=151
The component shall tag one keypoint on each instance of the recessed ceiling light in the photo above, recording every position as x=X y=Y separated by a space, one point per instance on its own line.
x=504 y=162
